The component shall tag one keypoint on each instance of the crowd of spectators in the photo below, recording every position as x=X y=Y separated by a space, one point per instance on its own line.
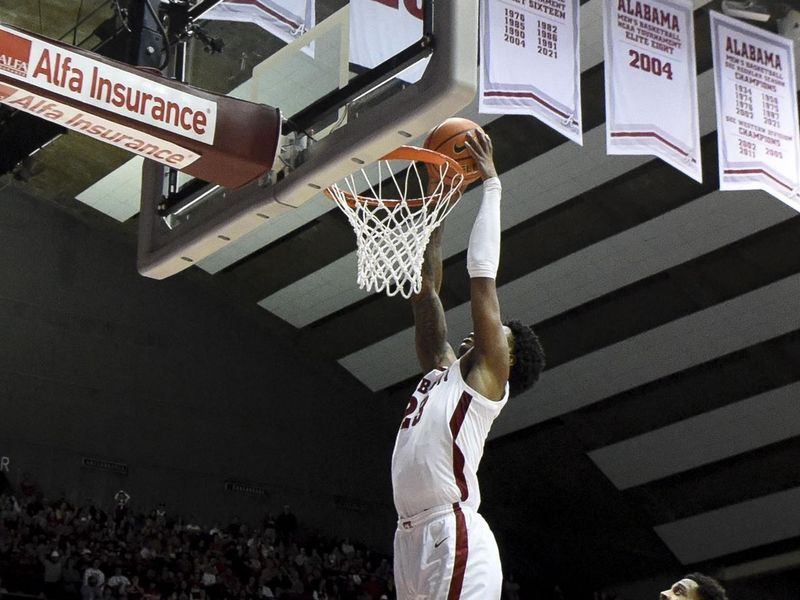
x=66 y=552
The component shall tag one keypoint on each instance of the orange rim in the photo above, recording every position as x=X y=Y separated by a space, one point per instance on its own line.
x=409 y=153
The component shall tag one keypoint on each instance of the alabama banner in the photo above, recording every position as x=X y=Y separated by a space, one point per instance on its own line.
x=757 y=123
x=651 y=82
x=285 y=19
x=379 y=29
x=530 y=62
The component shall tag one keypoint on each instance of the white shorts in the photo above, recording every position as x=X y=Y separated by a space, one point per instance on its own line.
x=446 y=553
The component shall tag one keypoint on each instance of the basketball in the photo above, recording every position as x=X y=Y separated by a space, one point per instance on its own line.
x=448 y=138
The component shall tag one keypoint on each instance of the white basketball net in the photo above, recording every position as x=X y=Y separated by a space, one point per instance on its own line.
x=391 y=234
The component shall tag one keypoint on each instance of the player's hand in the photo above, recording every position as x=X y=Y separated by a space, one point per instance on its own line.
x=480 y=147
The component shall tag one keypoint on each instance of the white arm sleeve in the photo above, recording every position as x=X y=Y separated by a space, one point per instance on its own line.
x=483 y=253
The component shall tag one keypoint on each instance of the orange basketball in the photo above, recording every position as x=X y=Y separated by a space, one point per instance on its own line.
x=448 y=138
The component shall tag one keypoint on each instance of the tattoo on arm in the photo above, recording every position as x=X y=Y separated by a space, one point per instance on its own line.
x=429 y=320
x=432 y=260
x=431 y=333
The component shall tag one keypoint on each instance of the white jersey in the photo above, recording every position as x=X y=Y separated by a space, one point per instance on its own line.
x=440 y=443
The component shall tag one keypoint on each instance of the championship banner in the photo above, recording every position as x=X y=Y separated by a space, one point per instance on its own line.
x=651 y=82
x=379 y=29
x=757 y=123
x=530 y=62
x=285 y=19
x=215 y=138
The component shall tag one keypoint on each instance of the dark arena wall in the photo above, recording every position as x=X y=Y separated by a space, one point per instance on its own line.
x=170 y=391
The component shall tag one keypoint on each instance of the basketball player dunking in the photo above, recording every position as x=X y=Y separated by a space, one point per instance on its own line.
x=444 y=550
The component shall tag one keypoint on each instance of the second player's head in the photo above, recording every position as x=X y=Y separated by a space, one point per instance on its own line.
x=695 y=586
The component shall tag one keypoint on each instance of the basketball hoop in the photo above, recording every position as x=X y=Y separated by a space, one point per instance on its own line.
x=393 y=229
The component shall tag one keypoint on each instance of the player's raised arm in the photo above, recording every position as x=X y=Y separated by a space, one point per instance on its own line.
x=430 y=326
x=490 y=359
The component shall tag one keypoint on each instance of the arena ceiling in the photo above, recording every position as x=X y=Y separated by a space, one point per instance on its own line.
x=665 y=433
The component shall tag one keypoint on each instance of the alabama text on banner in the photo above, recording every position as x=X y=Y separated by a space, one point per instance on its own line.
x=285 y=19
x=379 y=29
x=757 y=122
x=530 y=62
x=651 y=82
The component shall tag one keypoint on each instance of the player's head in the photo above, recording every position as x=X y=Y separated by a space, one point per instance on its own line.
x=527 y=357
x=526 y=354
x=695 y=586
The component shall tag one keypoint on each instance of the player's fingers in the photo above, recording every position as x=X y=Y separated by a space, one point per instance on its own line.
x=482 y=144
x=476 y=143
x=471 y=145
x=485 y=140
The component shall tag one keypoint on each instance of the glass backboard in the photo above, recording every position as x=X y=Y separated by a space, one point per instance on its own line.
x=353 y=80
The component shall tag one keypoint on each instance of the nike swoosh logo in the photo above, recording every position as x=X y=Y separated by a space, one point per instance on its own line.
x=439 y=543
x=458 y=148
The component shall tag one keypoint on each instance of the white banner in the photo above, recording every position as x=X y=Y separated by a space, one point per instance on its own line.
x=651 y=82
x=98 y=128
x=379 y=29
x=757 y=124
x=285 y=19
x=530 y=62
x=78 y=77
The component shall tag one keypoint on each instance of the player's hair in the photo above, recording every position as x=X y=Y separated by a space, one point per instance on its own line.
x=708 y=588
x=529 y=358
